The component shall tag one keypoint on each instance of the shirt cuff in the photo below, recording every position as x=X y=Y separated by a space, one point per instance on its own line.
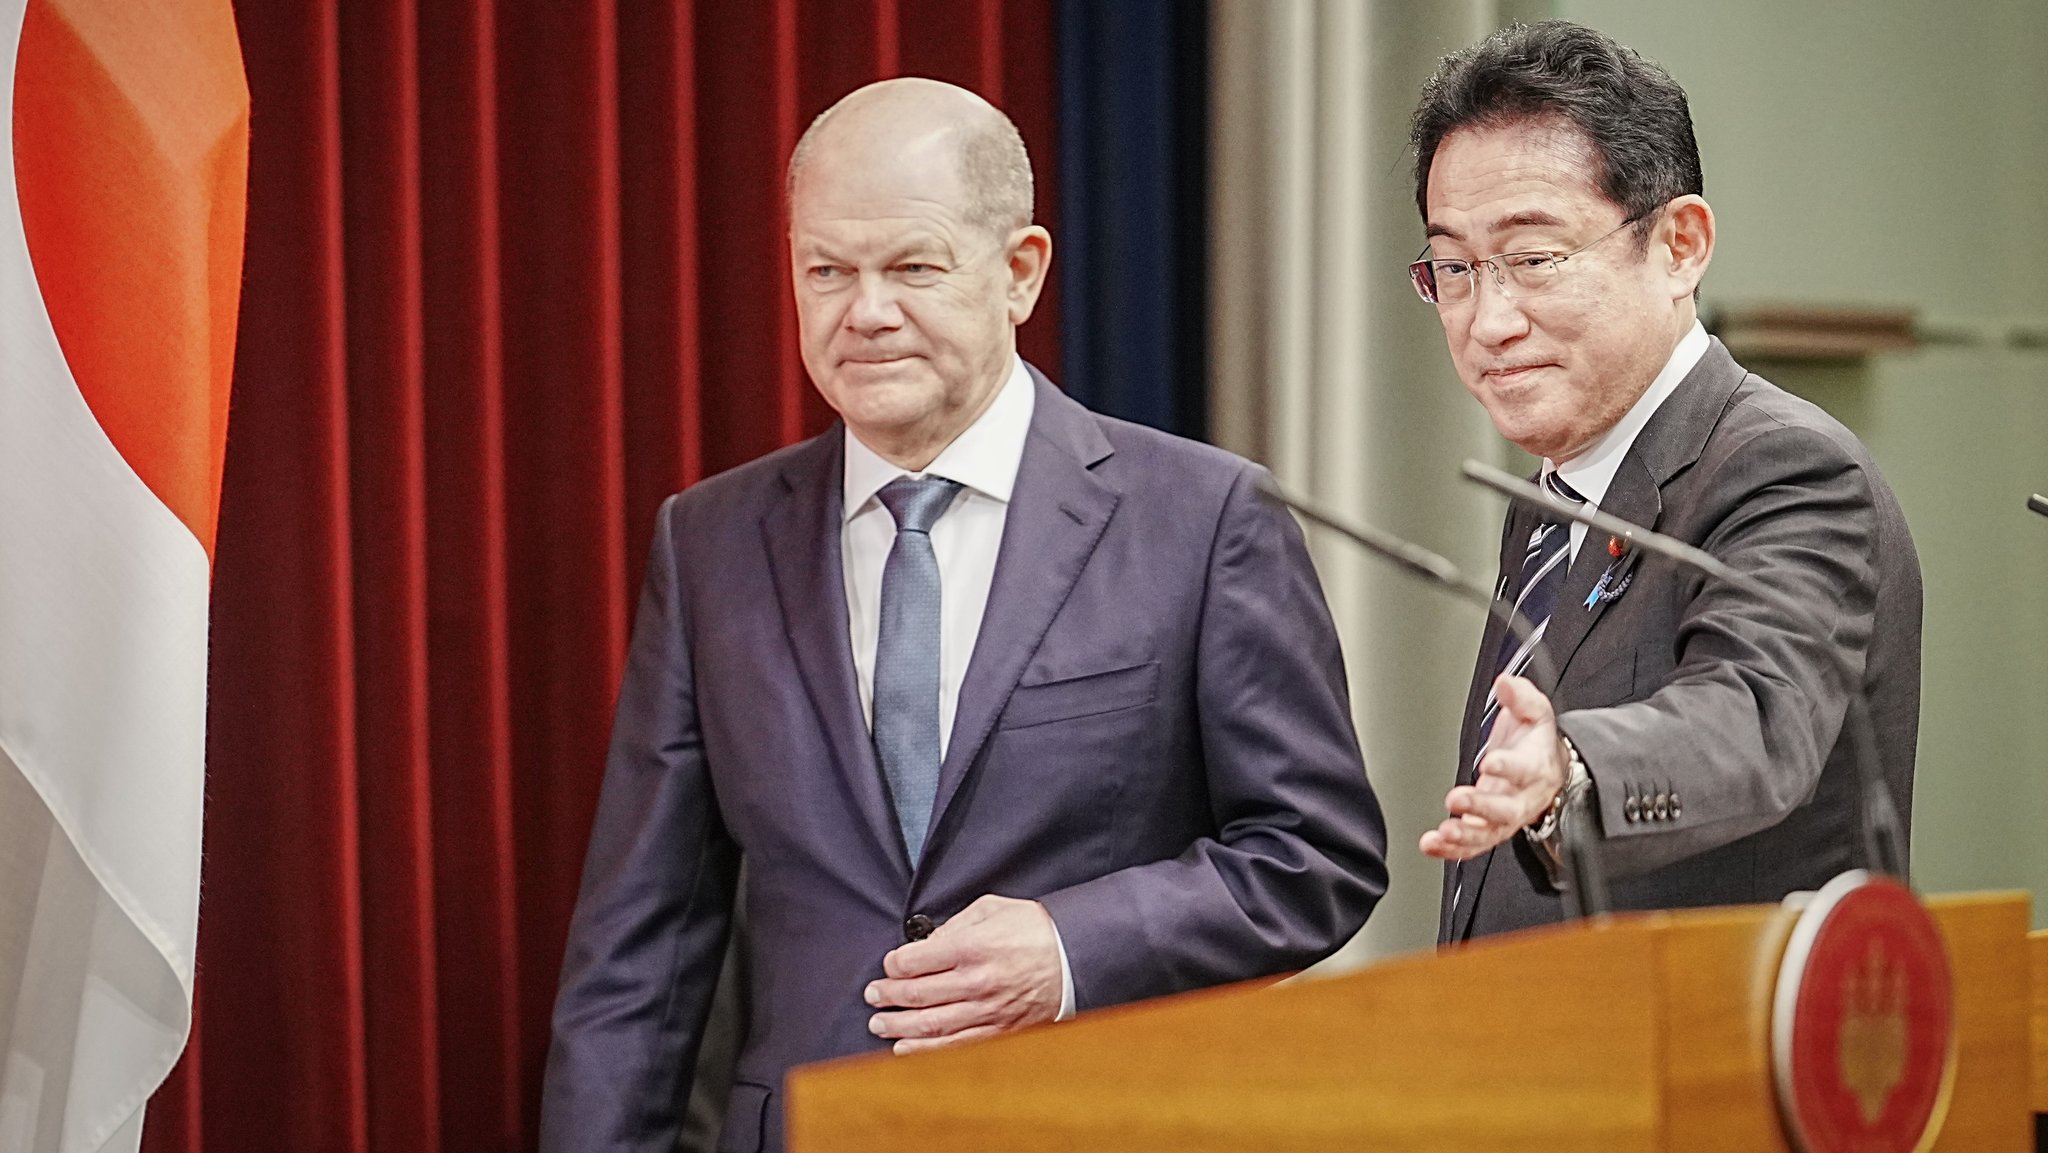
x=1066 y=974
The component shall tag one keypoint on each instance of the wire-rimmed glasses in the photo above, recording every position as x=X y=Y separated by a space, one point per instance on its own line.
x=1518 y=275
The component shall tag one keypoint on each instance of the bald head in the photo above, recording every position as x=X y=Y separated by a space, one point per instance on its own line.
x=904 y=119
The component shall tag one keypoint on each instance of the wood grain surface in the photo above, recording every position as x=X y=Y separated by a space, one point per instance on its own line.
x=1643 y=1032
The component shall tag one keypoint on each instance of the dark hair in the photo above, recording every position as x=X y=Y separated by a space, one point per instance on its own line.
x=1631 y=112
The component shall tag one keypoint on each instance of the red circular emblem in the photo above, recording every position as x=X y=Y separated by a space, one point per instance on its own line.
x=1863 y=1024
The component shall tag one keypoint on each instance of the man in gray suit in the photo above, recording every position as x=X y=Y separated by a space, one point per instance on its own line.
x=1012 y=709
x=1559 y=183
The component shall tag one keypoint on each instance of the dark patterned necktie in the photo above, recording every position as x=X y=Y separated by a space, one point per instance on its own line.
x=1536 y=588
x=1541 y=579
x=906 y=704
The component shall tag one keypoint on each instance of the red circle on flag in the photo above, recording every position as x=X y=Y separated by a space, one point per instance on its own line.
x=1863 y=1023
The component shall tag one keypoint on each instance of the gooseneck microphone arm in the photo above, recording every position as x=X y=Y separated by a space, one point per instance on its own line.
x=1882 y=842
x=1588 y=894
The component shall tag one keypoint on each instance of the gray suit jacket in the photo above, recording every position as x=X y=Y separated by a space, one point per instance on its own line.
x=1683 y=688
x=1153 y=739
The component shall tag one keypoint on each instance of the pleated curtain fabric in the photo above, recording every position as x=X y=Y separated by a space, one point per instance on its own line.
x=515 y=271
x=1327 y=368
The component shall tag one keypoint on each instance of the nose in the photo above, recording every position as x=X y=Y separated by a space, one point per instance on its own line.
x=1496 y=319
x=874 y=306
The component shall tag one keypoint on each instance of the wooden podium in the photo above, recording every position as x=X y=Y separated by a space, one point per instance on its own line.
x=1640 y=1032
x=2037 y=952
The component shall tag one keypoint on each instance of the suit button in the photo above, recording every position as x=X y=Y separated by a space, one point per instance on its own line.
x=1676 y=812
x=1662 y=806
x=918 y=927
x=1631 y=808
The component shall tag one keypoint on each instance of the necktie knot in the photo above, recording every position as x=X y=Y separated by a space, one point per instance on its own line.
x=917 y=503
x=1554 y=481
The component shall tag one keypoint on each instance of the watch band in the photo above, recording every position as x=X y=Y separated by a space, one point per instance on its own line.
x=1545 y=831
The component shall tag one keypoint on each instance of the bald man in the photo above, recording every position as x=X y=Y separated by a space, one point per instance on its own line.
x=1013 y=710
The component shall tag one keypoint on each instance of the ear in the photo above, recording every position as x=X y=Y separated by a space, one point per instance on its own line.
x=1686 y=235
x=1027 y=258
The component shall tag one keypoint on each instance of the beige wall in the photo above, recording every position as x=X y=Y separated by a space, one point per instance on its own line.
x=1326 y=367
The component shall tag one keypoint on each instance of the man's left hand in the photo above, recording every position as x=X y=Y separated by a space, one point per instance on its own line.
x=994 y=967
x=1522 y=772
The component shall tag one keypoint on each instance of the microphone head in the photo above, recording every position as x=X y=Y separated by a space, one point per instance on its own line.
x=2038 y=503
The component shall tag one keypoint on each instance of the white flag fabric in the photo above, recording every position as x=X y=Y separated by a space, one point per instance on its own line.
x=103 y=583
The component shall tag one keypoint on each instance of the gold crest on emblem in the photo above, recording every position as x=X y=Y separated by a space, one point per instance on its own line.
x=1872 y=1049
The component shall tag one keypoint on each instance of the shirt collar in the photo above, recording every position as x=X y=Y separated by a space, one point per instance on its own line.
x=984 y=457
x=1592 y=471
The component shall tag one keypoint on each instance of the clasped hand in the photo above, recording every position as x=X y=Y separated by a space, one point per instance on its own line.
x=994 y=967
x=1521 y=773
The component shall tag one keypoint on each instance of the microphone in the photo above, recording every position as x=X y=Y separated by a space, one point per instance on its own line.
x=1587 y=896
x=2038 y=503
x=1882 y=842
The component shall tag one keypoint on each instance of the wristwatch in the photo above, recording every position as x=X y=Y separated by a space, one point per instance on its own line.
x=1544 y=833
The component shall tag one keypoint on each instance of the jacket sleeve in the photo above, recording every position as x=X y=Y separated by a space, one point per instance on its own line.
x=648 y=934
x=1747 y=719
x=1298 y=859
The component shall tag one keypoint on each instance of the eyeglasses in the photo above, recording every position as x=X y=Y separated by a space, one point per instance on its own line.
x=1518 y=275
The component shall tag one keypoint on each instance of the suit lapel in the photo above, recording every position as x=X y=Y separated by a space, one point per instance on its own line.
x=1632 y=495
x=1670 y=441
x=1057 y=513
x=802 y=532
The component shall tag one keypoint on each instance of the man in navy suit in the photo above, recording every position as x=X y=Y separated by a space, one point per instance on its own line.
x=1013 y=710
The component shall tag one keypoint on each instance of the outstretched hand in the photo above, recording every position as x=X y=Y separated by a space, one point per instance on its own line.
x=1521 y=773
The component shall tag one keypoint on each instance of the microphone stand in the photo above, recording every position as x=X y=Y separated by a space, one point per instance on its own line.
x=1882 y=846
x=1587 y=895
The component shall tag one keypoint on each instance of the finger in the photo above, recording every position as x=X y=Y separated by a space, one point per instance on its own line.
x=1460 y=799
x=921 y=958
x=1448 y=842
x=1508 y=771
x=1494 y=813
x=920 y=1044
x=1519 y=697
x=1464 y=832
x=936 y=1021
x=921 y=992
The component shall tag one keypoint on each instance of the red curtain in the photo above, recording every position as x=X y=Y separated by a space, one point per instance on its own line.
x=515 y=271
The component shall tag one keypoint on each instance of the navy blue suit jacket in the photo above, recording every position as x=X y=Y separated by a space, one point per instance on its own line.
x=1153 y=739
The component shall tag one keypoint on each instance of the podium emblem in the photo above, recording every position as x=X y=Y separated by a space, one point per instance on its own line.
x=1863 y=1021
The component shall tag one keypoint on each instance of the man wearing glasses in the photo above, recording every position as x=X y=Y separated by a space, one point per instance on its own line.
x=1560 y=186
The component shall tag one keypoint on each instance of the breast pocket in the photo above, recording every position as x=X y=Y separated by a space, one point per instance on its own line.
x=1072 y=698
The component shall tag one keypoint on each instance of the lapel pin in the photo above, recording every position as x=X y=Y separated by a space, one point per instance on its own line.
x=1608 y=588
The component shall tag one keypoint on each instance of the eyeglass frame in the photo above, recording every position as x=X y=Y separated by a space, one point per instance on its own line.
x=1424 y=266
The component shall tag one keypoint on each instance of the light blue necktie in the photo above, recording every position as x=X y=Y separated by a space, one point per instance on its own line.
x=906 y=704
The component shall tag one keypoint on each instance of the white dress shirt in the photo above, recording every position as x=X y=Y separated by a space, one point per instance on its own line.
x=966 y=539
x=1591 y=472
x=983 y=460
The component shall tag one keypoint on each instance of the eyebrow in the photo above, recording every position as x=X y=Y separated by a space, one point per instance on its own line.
x=914 y=249
x=1530 y=218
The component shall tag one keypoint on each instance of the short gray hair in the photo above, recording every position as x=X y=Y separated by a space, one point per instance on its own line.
x=994 y=168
